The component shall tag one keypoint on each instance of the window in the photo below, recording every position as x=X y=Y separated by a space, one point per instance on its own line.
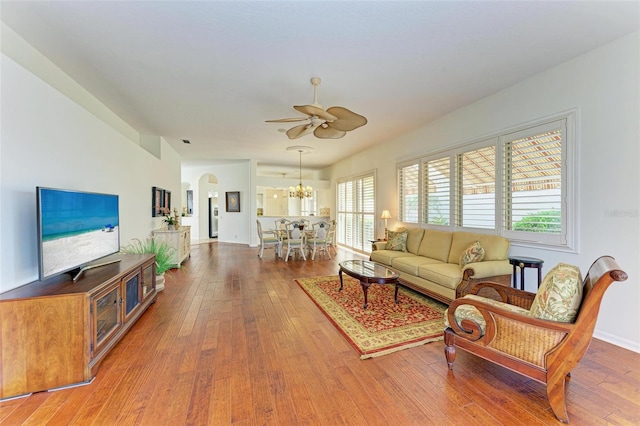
x=518 y=184
x=356 y=212
x=437 y=186
x=409 y=190
x=533 y=190
x=308 y=205
x=476 y=188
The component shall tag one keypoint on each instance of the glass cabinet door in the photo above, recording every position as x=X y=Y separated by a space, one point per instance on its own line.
x=107 y=314
x=133 y=293
x=148 y=272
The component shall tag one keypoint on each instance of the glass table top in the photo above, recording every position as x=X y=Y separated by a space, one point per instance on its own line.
x=367 y=268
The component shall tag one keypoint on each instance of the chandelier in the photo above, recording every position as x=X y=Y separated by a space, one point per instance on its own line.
x=300 y=191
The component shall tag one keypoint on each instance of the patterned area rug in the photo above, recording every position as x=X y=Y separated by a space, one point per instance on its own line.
x=383 y=327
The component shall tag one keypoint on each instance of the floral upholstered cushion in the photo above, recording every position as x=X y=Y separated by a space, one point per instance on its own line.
x=473 y=253
x=397 y=241
x=559 y=295
x=472 y=313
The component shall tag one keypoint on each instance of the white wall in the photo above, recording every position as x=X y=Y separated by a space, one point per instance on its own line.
x=604 y=86
x=232 y=227
x=47 y=139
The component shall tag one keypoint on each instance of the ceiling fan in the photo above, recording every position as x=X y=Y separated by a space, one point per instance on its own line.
x=332 y=123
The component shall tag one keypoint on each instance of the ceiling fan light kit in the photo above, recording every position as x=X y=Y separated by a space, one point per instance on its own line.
x=332 y=123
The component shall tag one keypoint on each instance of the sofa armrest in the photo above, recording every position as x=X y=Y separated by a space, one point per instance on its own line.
x=489 y=268
x=498 y=271
x=378 y=245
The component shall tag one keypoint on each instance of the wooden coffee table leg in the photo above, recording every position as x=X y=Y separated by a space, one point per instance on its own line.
x=340 y=274
x=395 y=296
x=365 y=290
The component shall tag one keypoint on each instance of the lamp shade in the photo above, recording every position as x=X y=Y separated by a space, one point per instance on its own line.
x=385 y=214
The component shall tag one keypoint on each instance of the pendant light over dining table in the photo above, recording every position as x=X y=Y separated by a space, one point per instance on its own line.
x=300 y=191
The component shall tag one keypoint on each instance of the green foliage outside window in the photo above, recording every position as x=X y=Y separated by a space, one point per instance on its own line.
x=546 y=221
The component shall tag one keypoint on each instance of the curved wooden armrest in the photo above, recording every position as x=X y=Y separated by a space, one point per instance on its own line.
x=472 y=331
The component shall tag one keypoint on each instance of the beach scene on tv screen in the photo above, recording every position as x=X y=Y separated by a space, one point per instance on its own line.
x=77 y=228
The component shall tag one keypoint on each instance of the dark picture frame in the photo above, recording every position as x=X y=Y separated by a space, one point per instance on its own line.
x=167 y=200
x=160 y=200
x=233 y=201
x=157 y=198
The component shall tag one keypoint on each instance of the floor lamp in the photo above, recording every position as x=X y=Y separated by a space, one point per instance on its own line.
x=385 y=215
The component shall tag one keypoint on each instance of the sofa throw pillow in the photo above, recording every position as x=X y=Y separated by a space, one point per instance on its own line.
x=559 y=295
x=397 y=241
x=473 y=253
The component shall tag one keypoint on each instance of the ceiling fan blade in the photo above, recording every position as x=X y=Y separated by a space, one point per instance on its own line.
x=313 y=110
x=287 y=120
x=299 y=131
x=328 y=133
x=347 y=120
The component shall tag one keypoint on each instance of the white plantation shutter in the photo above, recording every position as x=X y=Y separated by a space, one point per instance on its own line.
x=517 y=184
x=409 y=193
x=356 y=212
x=533 y=176
x=476 y=188
x=437 y=185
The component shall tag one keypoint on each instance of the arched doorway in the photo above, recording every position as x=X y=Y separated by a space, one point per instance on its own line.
x=208 y=201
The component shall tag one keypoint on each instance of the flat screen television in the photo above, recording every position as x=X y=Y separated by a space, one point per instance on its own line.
x=75 y=228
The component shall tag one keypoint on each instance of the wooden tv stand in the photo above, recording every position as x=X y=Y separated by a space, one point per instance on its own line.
x=55 y=333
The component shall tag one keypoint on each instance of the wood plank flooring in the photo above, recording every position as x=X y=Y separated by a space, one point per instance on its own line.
x=233 y=340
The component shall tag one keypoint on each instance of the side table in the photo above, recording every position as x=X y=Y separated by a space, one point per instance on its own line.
x=525 y=262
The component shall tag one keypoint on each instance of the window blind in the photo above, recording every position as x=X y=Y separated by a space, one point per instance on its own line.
x=533 y=179
x=437 y=185
x=476 y=201
x=356 y=212
x=409 y=190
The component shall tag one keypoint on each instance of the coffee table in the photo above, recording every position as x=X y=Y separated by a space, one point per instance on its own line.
x=368 y=272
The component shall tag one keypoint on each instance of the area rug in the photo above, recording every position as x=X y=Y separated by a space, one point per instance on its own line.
x=384 y=327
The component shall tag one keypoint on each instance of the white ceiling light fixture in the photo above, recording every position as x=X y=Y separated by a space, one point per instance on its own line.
x=333 y=123
x=300 y=191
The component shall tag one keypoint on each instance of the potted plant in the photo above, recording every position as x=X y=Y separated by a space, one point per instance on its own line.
x=164 y=256
x=171 y=222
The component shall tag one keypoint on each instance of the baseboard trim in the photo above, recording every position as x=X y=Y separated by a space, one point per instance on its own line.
x=616 y=340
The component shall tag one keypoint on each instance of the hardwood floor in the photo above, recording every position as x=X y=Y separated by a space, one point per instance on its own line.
x=233 y=340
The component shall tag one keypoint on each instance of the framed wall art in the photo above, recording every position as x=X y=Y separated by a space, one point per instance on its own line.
x=233 y=201
x=160 y=200
x=157 y=198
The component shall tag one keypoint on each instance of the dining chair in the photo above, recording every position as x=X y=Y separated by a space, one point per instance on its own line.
x=268 y=239
x=295 y=239
x=319 y=238
x=331 y=239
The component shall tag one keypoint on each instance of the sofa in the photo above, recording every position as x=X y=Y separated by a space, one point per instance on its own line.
x=430 y=261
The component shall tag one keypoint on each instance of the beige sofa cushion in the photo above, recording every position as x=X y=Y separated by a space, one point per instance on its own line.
x=414 y=238
x=436 y=245
x=495 y=247
x=387 y=256
x=445 y=274
x=410 y=264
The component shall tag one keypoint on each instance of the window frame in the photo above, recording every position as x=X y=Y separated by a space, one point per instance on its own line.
x=565 y=241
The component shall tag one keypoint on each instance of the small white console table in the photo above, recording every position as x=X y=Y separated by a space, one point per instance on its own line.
x=180 y=240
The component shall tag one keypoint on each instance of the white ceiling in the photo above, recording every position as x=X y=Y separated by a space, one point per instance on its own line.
x=213 y=72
